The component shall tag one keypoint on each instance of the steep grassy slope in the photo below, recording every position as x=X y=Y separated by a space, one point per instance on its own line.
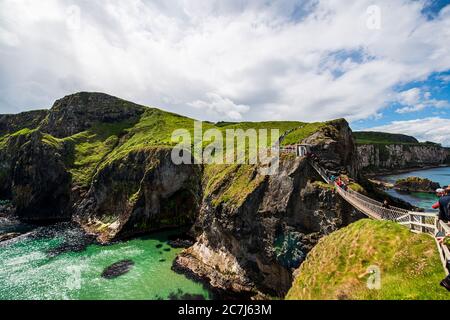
x=336 y=268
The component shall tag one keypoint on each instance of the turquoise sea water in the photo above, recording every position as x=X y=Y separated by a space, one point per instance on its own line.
x=29 y=270
x=422 y=200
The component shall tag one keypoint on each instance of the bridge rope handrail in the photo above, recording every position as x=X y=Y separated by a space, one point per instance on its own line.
x=419 y=222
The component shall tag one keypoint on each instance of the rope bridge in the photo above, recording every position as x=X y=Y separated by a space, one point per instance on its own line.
x=419 y=222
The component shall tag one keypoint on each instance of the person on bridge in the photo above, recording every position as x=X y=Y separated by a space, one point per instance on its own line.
x=444 y=203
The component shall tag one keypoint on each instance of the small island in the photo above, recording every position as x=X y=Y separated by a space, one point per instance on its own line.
x=416 y=184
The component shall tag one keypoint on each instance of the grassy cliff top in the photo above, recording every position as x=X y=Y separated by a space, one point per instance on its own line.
x=369 y=137
x=336 y=268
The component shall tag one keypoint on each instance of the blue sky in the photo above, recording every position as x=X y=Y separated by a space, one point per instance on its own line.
x=381 y=64
x=438 y=85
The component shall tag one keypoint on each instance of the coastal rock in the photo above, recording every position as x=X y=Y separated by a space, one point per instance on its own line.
x=336 y=147
x=34 y=177
x=416 y=184
x=140 y=192
x=10 y=123
x=387 y=157
x=8 y=236
x=250 y=240
x=117 y=269
x=78 y=112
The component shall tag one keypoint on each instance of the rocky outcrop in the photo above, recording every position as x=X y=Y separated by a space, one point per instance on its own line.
x=254 y=244
x=254 y=247
x=140 y=192
x=35 y=178
x=34 y=171
x=381 y=157
x=416 y=184
x=78 y=112
x=336 y=147
x=10 y=123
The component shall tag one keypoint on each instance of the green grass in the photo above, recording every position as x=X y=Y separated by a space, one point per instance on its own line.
x=306 y=130
x=323 y=185
x=153 y=130
x=231 y=184
x=336 y=268
x=357 y=187
x=88 y=148
x=368 y=137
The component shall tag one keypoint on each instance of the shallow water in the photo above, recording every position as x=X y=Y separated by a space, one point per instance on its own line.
x=419 y=199
x=28 y=270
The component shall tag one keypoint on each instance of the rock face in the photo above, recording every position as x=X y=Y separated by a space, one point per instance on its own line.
x=255 y=244
x=34 y=176
x=78 y=112
x=374 y=157
x=11 y=123
x=415 y=184
x=33 y=163
x=141 y=192
x=253 y=247
x=336 y=147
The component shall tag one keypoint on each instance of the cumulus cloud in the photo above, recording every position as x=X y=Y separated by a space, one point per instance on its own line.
x=304 y=60
x=217 y=105
x=416 y=100
x=429 y=129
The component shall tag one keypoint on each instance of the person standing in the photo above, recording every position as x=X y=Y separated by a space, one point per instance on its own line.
x=439 y=193
x=444 y=203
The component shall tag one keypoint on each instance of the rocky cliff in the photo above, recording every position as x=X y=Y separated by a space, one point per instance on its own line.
x=105 y=163
x=387 y=157
x=382 y=152
x=250 y=239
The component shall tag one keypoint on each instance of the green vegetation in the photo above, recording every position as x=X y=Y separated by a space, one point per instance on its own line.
x=323 y=185
x=306 y=130
x=337 y=267
x=416 y=184
x=153 y=130
x=368 y=137
x=413 y=180
x=357 y=187
x=447 y=241
x=88 y=148
x=230 y=183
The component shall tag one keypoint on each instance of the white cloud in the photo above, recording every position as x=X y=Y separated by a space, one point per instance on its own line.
x=309 y=60
x=219 y=106
x=429 y=129
x=416 y=100
x=445 y=78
